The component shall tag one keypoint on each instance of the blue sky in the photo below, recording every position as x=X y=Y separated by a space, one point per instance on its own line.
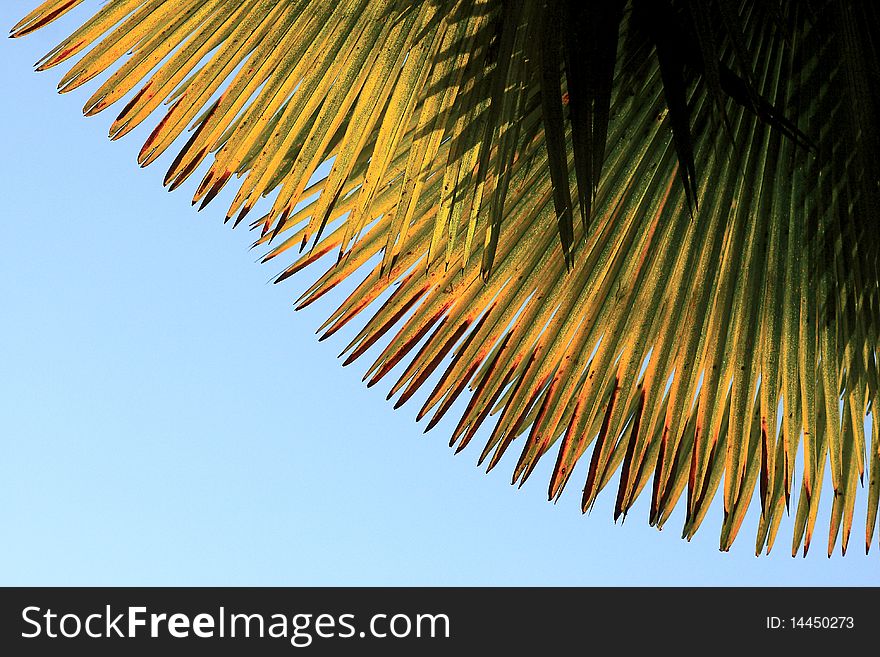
x=167 y=418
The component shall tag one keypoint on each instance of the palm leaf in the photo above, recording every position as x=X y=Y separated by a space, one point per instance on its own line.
x=713 y=315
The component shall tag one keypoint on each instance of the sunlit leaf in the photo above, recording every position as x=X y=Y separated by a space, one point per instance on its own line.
x=710 y=324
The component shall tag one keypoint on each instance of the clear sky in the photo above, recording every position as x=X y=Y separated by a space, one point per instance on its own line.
x=167 y=418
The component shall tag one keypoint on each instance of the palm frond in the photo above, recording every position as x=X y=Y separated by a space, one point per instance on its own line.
x=713 y=314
